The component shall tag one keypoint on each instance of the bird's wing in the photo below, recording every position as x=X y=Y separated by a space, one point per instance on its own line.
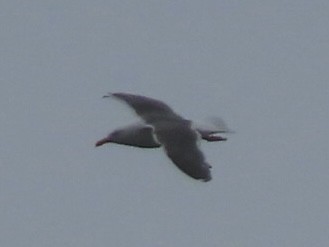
x=180 y=144
x=150 y=110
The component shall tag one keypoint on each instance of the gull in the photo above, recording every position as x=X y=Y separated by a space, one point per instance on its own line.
x=141 y=135
x=162 y=127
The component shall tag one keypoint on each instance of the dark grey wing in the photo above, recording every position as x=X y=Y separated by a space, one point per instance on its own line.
x=180 y=144
x=150 y=110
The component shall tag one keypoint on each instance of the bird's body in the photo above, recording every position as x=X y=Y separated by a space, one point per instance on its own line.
x=142 y=135
x=136 y=135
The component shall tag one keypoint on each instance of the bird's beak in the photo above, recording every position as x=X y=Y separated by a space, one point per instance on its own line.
x=103 y=141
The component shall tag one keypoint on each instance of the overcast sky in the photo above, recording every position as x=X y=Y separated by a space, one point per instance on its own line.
x=260 y=65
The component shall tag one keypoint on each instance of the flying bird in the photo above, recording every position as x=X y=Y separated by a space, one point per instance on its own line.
x=141 y=135
x=162 y=127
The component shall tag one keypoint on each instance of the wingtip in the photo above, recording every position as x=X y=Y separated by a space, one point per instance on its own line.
x=115 y=95
x=207 y=179
x=108 y=95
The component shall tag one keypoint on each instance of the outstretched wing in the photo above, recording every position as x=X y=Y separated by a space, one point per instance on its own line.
x=150 y=110
x=180 y=144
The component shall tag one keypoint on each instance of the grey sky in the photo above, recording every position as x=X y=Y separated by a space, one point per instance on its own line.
x=261 y=65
